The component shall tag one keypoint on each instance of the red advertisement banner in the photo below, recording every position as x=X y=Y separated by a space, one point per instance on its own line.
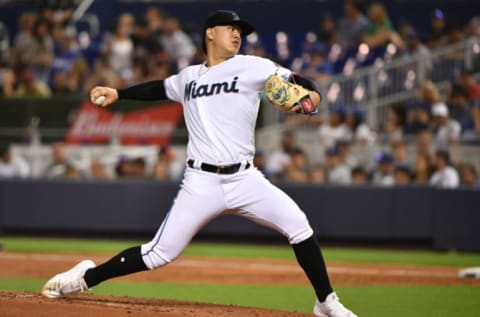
x=152 y=125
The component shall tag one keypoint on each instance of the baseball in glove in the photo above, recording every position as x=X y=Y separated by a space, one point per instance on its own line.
x=286 y=95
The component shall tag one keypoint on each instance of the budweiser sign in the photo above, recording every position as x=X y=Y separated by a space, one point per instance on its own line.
x=147 y=126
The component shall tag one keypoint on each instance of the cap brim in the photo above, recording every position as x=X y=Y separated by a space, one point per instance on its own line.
x=246 y=27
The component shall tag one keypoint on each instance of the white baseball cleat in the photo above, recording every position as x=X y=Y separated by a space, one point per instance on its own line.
x=68 y=282
x=331 y=307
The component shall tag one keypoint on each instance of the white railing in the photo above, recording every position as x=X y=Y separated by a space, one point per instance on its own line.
x=372 y=89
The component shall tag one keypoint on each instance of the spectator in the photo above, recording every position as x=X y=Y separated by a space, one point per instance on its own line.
x=327 y=34
x=445 y=176
x=101 y=74
x=177 y=44
x=155 y=19
x=470 y=85
x=57 y=12
x=419 y=114
x=460 y=110
x=58 y=167
x=4 y=42
x=318 y=174
x=119 y=48
x=429 y=94
x=42 y=51
x=317 y=66
x=72 y=172
x=7 y=80
x=346 y=157
x=384 y=174
x=162 y=169
x=12 y=166
x=68 y=58
x=24 y=41
x=338 y=173
x=354 y=119
x=454 y=35
x=128 y=167
x=414 y=47
x=438 y=33
x=380 y=31
x=423 y=168
x=469 y=176
x=336 y=129
x=402 y=175
x=297 y=171
x=97 y=170
x=476 y=116
x=423 y=143
x=396 y=120
x=352 y=25
x=400 y=153
x=359 y=176
x=447 y=129
x=364 y=148
x=473 y=27
x=278 y=160
x=29 y=86
x=61 y=83
x=418 y=118
x=161 y=68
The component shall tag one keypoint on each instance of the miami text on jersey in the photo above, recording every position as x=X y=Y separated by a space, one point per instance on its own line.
x=192 y=91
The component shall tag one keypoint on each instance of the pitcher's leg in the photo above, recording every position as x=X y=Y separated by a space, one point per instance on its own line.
x=260 y=201
x=310 y=258
x=198 y=202
x=126 y=262
x=268 y=205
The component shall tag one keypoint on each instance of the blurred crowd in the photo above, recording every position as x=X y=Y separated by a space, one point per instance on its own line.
x=48 y=57
x=63 y=163
x=416 y=144
x=364 y=162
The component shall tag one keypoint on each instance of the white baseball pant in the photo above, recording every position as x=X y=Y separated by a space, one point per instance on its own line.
x=205 y=195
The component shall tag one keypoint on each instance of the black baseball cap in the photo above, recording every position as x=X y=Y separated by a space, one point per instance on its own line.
x=225 y=17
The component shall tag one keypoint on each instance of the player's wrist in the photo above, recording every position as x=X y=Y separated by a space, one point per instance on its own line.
x=316 y=98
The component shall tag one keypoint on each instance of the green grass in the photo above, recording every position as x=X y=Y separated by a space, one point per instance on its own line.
x=46 y=245
x=371 y=301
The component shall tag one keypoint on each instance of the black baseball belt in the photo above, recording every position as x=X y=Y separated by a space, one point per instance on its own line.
x=218 y=169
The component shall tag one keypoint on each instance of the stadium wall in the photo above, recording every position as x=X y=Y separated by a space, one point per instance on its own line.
x=446 y=219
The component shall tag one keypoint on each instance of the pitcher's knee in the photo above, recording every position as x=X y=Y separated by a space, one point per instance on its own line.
x=301 y=234
x=156 y=256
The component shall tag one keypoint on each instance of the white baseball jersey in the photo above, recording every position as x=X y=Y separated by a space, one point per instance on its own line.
x=221 y=105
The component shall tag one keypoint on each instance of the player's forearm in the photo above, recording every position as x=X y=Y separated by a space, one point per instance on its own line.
x=151 y=90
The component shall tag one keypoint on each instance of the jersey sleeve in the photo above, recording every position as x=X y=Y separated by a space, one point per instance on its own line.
x=173 y=87
x=263 y=68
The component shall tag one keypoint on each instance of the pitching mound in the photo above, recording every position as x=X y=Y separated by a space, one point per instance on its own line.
x=23 y=304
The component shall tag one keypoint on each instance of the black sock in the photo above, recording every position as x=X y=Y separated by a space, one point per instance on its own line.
x=310 y=258
x=126 y=262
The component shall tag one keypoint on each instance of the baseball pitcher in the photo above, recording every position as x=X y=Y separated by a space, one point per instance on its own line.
x=220 y=99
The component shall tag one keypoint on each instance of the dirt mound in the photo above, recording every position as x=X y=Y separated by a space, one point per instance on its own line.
x=23 y=304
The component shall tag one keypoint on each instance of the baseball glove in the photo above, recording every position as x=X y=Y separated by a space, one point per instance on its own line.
x=285 y=95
